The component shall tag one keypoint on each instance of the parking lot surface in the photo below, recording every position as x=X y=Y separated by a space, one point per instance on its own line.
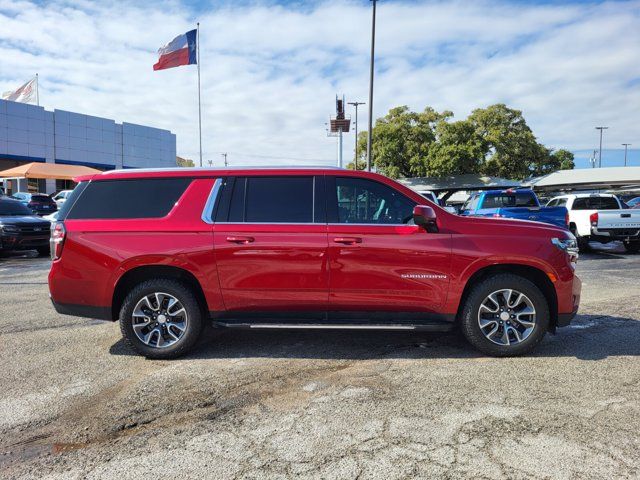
x=76 y=403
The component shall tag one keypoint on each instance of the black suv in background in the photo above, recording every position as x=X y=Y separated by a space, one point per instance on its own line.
x=39 y=203
x=20 y=229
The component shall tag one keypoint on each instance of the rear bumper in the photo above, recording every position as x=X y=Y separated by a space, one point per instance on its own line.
x=88 y=311
x=616 y=233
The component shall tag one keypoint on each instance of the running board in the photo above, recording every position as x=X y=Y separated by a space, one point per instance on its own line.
x=335 y=326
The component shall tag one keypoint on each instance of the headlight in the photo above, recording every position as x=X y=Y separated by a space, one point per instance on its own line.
x=568 y=245
x=9 y=228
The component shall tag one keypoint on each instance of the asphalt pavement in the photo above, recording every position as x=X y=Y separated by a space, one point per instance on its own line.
x=76 y=403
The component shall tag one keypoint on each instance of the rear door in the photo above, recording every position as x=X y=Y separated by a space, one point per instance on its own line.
x=381 y=261
x=270 y=238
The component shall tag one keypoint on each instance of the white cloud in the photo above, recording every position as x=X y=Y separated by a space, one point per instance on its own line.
x=270 y=72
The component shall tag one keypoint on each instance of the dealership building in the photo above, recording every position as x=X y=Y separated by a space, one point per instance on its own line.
x=29 y=133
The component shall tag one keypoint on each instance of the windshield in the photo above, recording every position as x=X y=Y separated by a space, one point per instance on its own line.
x=13 y=208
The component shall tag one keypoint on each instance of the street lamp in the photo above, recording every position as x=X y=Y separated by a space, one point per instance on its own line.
x=373 y=43
x=355 y=104
x=625 y=150
x=600 y=152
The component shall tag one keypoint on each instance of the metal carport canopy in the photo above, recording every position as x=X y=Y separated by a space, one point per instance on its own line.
x=454 y=183
x=587 y=178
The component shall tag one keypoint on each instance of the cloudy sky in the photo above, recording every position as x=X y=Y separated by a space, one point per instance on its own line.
x=271 y=70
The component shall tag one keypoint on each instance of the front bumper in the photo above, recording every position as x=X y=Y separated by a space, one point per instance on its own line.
x=570 y=296
x=564 y=319
x=23 y=242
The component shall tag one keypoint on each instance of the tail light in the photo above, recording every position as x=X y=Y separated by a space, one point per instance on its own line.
x=566 y=219
x=593 y=218
x=58 y=234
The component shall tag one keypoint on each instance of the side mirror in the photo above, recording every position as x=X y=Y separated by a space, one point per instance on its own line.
x=425 y=217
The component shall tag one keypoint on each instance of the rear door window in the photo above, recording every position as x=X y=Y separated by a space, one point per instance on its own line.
x=270 y=199
x=134 y=198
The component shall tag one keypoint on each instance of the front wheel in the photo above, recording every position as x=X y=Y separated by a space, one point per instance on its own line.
x=632 y=247
x=505 y=315
x=161 y=319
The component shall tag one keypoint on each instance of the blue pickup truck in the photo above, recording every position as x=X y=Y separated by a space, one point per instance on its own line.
x=520 y=204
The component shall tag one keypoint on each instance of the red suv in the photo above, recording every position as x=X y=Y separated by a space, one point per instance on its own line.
x=164 y=251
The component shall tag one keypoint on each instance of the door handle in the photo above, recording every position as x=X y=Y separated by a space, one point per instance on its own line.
x=348 y=240
x=240 y=239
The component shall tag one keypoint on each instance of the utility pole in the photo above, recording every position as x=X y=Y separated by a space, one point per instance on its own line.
x=600 y=151
x=355 y=104
x=225 y=158
x=625 y=152
x=373 y=43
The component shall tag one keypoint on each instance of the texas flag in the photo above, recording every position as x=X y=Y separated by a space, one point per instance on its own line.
x=179 y=51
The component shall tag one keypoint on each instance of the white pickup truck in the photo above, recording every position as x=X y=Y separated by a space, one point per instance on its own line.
x=601 y=218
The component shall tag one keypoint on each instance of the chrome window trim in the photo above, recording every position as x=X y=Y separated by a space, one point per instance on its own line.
x=320 y=223
x=207 y=212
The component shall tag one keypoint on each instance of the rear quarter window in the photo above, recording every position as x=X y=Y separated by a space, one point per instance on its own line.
x=122 y=199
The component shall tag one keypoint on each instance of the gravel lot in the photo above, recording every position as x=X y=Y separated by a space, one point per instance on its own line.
x=76 y=403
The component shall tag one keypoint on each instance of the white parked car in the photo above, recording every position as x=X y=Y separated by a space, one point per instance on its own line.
x=52 y=217
x=61 y=197
x=429 y=195
x=600 y=217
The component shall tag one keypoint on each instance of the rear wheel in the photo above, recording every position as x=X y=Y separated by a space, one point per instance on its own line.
x=505 y=315
x=632 y=247
x=161 y=319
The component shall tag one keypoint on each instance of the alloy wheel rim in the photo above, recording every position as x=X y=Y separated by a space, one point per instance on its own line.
x=159 y=320
x=507 y=317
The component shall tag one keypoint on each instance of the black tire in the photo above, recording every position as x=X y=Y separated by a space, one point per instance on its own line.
x=583 y=243
x=44 y=251
x=181 y=292
x=479 y=292
x=632 y=247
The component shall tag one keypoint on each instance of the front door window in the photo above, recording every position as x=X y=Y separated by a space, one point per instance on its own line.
x=367 y=202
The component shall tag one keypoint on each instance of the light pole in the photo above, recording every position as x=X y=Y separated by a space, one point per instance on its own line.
x=600 y=151
x=225 y=159
x=625 y=150
x=355 y=104
x=373 y=43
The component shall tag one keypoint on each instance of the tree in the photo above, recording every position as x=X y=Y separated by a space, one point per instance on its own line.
x=563 y=159
x=459 y=149
x=401 y=141
x=184 y=162
x=494 y=141
x=513 y=151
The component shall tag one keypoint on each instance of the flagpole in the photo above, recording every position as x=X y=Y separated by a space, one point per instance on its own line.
x=37 y=91
x=199 y=101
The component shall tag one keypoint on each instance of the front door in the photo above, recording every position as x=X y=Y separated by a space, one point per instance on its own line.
x=379 y=260
x=270 y=242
